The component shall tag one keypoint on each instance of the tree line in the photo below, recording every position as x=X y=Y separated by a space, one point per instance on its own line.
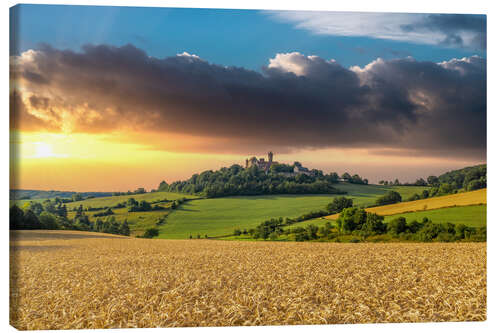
x=451 y=182
x=47 y=215
x=355 y=224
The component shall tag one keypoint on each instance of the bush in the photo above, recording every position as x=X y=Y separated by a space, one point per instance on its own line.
x=151 y=232
x=338 y=204
x=273 y=236
x=390 y=197
x=397 y=226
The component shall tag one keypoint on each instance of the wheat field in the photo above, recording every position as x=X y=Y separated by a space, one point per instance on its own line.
x=72 y=280
x=477 y=197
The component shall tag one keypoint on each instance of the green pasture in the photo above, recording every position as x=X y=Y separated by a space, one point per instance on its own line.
x=473 y=216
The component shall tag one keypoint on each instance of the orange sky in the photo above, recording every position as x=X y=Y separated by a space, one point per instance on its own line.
x=93 y=162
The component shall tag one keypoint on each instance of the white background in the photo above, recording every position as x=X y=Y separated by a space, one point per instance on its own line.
x=426 y=6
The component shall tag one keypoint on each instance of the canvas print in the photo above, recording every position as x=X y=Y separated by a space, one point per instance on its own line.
x=178 y=167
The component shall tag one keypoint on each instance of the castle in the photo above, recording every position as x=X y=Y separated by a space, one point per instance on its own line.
x=264 y=165
x=261 y=163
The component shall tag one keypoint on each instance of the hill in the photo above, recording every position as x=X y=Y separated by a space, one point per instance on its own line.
x=40 y=194
x=469 y=178
x=220 y=216
x=460 y=199
x=253 y=180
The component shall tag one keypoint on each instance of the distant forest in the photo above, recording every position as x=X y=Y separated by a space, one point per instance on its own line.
x=39 y=194
x=462 y=180
x=237 y=180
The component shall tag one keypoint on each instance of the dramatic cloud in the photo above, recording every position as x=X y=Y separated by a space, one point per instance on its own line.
x=297 y=102
x=436 y=29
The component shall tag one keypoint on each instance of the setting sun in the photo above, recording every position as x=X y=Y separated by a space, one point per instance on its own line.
x=43 y=150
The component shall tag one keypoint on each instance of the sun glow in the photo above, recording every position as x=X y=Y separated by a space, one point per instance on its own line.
x=43 y=150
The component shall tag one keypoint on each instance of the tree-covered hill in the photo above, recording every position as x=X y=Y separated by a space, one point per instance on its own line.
x=237 y=180
x=469 y=178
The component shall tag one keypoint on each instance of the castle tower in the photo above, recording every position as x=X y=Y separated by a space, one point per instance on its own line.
x=270 y=156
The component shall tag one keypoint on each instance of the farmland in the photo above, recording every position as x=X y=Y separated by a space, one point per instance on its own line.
x=218 y=217
x=460 y=199
x=91 y=280
x=473 y=216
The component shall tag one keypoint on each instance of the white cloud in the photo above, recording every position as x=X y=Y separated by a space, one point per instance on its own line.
x=295 y=62
x=394 y=26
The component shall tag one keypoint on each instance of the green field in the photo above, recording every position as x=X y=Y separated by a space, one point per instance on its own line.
x=474 y=216
x=220 y=216
x=364 y=195
x=217 y=217
x=111 y=201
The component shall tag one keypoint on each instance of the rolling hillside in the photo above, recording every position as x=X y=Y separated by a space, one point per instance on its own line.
x=220 y=216
x=460 y=199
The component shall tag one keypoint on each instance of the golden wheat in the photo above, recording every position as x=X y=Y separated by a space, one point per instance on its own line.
x=71 y=280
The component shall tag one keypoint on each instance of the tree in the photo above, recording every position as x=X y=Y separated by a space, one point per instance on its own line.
x=35 y=207
x=420 y=182
x=31 y=221
x=346 y=176
x=77 y=197
x=125 y=229
x=432 y=180
x=151 y=232
x=338 y=204
x=16 y=218
x=237 y=232
x=312 y=231
x=48 y=221
x=397 y=226
x=445 y=188
x=351 y=219
x=374 y=224
x=98 y=225
x=132 y=202
x=390 y=197
x=49 y=206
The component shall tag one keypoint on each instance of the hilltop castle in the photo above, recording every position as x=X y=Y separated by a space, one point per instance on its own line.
x=261 y=163
x=264 y=165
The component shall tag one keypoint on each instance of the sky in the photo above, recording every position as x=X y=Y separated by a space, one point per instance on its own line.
x=115 y=98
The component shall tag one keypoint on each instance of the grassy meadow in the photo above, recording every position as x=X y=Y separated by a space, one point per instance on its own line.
x=472 y=216
x=218 y=217
x=91 y=280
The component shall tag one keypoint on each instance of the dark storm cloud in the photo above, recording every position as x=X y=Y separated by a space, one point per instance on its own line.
x=453 y=26
x=296 y=102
